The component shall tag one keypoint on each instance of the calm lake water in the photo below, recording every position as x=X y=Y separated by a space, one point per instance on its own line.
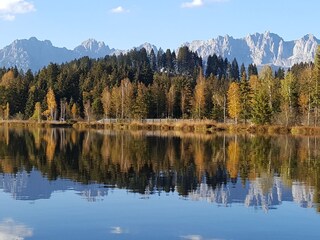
x=68 y=184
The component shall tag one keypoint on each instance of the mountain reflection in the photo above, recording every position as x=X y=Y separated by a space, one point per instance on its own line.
x=258 y=171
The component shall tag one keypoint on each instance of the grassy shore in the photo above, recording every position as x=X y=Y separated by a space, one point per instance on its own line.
x=203 y=126
x=26 y=123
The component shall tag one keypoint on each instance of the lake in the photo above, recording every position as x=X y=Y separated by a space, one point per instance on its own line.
x=100 y=184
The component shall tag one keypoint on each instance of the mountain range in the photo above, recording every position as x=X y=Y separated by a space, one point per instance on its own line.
x=259 y=48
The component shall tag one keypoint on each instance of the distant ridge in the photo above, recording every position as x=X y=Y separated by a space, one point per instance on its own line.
x=261 y=49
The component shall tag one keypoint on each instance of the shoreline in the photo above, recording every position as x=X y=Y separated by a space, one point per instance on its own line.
x=192 y=126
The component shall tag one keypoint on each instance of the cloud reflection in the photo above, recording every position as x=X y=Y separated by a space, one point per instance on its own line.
x=192 y=237
x=11 y=230
x=197 y=237
x=117 y=230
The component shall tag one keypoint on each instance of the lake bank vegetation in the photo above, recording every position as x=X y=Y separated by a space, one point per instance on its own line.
x=168 y=125
x=139 y=86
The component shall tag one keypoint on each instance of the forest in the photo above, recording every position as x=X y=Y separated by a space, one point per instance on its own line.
x=140 y=85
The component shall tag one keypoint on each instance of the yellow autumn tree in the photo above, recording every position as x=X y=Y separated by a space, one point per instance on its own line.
x=116 y=101
x=170 y=100
x=52 y=104
x=74 y=111
x=234 y=105
x=7 y=111
x=7 y=79
x=106 y=101
x=127 y=95
x=199 y=96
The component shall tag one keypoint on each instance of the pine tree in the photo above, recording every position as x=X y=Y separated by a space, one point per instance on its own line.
x=316 y=86
x=141 y=106
x=235 y=76
x=153 y=60
x=29 y=110
x=212 y=66
x=261 y=112
x=305 y=93
x=288 y=94
x=37 y=112
x=245 y=98
x=243 y=73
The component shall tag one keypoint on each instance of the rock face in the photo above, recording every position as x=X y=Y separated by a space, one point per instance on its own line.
x=261 y=49
x=92 y=49
x=33 y=54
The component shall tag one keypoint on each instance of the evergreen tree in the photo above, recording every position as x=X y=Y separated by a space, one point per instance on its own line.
x=261 y=112
x=245 y=98
x=212 y=65
x=243 y=72
x=316 y=86
x=235 y=70
x=252 y=70
x=288 y=97
x=141 y=107
x=153 y=61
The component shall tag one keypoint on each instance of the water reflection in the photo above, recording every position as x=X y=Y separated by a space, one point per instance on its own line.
x=258 y=171
x=11 y=230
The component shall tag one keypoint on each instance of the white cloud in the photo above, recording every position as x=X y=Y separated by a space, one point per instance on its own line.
x=10 y=8
x=194 y=3
x=10 y=230
x=119 y=9
x=200 y=3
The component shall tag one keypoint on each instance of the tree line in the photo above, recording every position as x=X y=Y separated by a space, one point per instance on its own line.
x=139 y=85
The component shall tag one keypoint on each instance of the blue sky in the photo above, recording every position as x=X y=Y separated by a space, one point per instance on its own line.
x=123 y=24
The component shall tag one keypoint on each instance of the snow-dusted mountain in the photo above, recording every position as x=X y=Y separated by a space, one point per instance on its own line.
x=93 y=49
x=149 y=47
x=34 y=54
x=261 y=49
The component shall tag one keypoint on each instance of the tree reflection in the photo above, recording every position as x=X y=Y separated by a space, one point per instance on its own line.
x=198 y=166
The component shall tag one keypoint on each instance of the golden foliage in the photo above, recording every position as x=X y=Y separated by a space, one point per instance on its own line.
x=234 y=106
x=52 y=104
x=106 y=101
x=199 y=96
x=74 y=111
x=7 y=79
x=233 y=160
